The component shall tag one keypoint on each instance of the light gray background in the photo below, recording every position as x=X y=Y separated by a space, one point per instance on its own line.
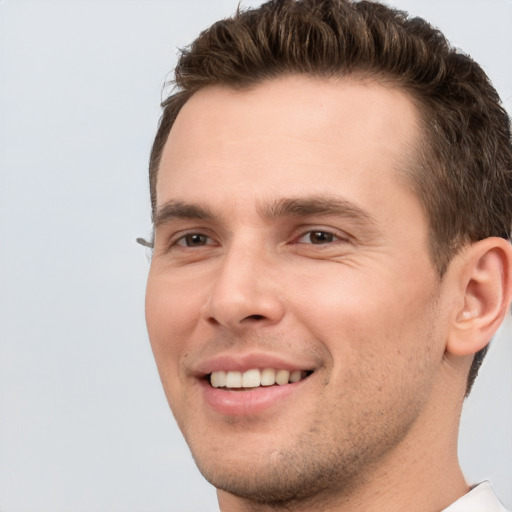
x=83 y=422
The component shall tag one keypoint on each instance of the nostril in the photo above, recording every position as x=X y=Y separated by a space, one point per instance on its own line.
x=213 y=321
x=255 y=317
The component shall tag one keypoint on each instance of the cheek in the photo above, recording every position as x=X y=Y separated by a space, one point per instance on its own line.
x=383 y=346
x=171 y=316
x=383 y=318
x=344 y=302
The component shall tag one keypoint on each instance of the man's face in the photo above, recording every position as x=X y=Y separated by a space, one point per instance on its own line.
x=287 y=240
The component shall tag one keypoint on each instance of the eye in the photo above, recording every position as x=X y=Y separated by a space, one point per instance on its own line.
x=318 y=237
x=194 y=240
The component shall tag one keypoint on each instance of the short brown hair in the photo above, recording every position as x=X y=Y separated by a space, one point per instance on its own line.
x=464 y=170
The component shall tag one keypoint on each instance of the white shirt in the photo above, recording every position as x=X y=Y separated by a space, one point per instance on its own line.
x=480 y=499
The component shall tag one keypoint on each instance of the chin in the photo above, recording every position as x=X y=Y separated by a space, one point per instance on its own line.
x=280 y=477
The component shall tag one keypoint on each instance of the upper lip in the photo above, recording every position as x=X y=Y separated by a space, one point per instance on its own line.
x=247 y=361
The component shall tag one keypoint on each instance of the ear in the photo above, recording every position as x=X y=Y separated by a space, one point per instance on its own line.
x=483 y=274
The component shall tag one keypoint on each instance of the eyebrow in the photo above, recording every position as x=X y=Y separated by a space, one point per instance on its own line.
x=180 y=210
x=287 y=207
x=317 y=205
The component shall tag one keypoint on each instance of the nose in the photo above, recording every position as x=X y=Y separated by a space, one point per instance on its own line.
x=245 y=291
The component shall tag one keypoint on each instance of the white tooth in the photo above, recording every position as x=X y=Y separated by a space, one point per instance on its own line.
x=282 y=377
x=251 y=379
x=295 y=376
x=218 y=379
x=268 y=377
x=233 y=380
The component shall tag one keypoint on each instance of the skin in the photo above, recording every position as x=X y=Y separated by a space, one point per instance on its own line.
x=374 y=427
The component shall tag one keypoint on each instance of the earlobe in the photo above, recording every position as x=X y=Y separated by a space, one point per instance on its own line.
x=484 y=278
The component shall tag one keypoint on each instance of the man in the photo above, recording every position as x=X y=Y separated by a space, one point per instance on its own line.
x=330 y=185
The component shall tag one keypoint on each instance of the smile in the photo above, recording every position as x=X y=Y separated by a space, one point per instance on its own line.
x=255 y=378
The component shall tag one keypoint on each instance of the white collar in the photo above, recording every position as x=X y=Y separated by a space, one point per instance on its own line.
x=480 y=499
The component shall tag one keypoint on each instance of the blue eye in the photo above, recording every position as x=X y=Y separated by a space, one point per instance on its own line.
x=194 y=240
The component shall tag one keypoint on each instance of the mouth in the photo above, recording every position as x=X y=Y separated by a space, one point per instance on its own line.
x=255 y=378
x=253 y=383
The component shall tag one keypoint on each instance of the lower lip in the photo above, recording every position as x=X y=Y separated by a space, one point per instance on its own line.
x=247 y=403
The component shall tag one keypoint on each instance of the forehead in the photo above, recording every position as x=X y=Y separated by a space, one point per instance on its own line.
x=288 y=135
